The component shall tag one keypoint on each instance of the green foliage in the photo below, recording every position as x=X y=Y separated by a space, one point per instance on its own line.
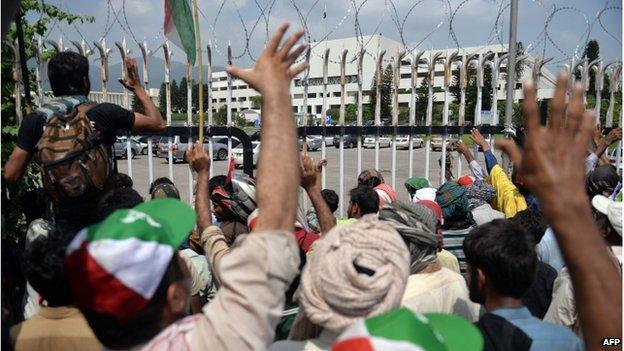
x=385 y=93
x=256 y=101
x=175 y=97
x=220 y=117
x=592 y=52
x=516 y=118
x=162 y=99
x=421 y=102
x=137 y=106
x=471 y=92
x=181 y=95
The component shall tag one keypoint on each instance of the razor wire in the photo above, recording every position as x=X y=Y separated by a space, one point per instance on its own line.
x=258 y=14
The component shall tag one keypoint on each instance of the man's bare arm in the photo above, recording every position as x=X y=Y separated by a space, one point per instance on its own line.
x=199 y=161
x=309 y=175
x=16 y=165
x=552 y=166
x=278 y=173
x=601 y=146
x=152 y=121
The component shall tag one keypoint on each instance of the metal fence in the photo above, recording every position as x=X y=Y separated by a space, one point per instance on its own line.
x=418 y=61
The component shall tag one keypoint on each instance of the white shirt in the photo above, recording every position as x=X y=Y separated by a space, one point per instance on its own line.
x=442 y=291
x=322 y=343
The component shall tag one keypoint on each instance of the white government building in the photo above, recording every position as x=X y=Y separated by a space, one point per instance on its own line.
x=242 y=94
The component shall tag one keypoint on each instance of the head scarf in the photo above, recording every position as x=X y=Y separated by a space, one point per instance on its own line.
x=370 y=177
x=421 y=241
x=424 y=194
x=479 y=193
x=355 y=271
x=437 y=211
x=452 y=200
x=165 y=190
x=413 y=184
x=386 y=194
x=602 y=180
x=465 y=180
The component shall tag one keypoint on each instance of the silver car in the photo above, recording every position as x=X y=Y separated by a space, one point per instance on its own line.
x=313 y=141
x=120 y=149
x=180 y=143
x=402 y=142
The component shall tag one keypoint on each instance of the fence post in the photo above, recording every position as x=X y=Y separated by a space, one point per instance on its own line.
x=144 y=55
x=433 y=58
x=124 y=72
x=323 y=113
x=395 y=110
x=378 y=80
x=480 y=66
x=614 y=81
x=209 y=86
x=39 y=71
x=596 y=67
x=304 y=82
x=104 y=54
x=17 y=80
x=167 y=55
x=189 y=121
x=448 y=61
x=343 y=93
x=412 y=112
x=228 y=101
x=359 y=109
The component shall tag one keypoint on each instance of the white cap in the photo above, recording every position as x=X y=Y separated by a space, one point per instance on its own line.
x=612 y=209
x=425 y=194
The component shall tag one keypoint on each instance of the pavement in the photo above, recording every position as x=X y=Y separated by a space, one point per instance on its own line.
x=183 y=179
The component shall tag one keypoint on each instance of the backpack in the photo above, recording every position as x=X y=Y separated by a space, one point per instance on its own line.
x=72 y=157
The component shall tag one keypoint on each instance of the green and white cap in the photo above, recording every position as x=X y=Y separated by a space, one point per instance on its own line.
x=404 y=330
x=115 y=267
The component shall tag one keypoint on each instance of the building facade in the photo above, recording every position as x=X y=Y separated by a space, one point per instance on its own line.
x=242 y=94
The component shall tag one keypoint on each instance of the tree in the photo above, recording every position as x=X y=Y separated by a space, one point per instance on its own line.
x=181 y=96
x=175 y=97
x=256 y=102
x=471 y=92
x=385 y=92
x=137 y=106
x=592 y=52
x=422 y=96
x=195 y=93
x=162 y=99
x=220 y=117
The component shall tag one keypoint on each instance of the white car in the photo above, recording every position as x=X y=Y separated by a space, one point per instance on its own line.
x=384 y=141
x=237 y=152
x=402 y=142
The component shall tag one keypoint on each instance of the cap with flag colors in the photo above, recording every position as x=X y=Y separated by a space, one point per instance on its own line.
x=115 y=267
x=179 y=27
x=404 y=330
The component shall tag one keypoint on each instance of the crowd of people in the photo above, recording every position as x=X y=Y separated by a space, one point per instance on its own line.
x=493 y=260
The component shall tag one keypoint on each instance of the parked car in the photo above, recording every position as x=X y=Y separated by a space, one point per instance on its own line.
x=384 y=141
x=237 y=153
x=120 y=149
x=451 y=140
x=314 y=142
x=142 y=141
x=402 y=142
x=349 y=140
x=179 y=145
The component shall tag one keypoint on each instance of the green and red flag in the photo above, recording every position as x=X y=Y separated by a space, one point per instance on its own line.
x=179 y=27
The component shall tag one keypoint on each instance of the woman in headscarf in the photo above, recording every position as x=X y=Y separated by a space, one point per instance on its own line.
x=430 y=287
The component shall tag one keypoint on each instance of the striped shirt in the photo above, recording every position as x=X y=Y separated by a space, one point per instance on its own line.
x=453 y=241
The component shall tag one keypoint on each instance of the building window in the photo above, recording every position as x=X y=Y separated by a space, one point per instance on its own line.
x=319 y=109
x=311 y=95
x=337 y=94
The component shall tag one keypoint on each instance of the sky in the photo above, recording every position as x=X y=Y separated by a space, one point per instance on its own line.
x=426 y=25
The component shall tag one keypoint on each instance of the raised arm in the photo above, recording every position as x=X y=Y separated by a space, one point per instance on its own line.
x=614 y=135
x=278 y=172
x=553 y=169
x=490 y=159
x=309 y=181
x=152 y=121
x=199 y=161
x=475 y=167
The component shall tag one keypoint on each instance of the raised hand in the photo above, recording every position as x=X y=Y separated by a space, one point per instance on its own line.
x=272 y=71
x=132 y=80
x=309 y=171
x=614 y=135
x=510 y=147
x=478 y=139
x=197 y=157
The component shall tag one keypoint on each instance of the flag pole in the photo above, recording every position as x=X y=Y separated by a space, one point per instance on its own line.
x=200 y=72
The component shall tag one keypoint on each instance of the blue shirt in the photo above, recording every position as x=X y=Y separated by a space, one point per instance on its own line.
x=546 y=336
x=548 y=250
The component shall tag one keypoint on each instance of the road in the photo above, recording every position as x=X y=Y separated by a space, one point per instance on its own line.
x=181 y=175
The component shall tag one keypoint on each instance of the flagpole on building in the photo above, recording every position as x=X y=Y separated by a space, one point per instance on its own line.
x=200 y=72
